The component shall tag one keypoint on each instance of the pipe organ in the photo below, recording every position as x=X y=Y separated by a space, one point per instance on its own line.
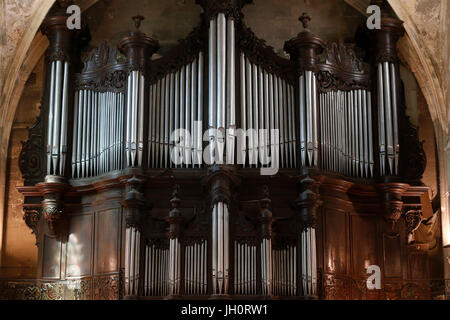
x=203 y=121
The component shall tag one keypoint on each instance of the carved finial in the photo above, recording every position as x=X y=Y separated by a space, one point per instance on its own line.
x=175 y=202
x=176 y=190
x=265 y=191
x=138 y=20
x=304 y=19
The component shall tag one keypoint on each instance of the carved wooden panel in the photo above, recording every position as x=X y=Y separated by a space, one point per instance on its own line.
x=335 y=241
x=364 y=244
x=107 y=236
x=79 y=246
x=51 y=266
x=392 y=255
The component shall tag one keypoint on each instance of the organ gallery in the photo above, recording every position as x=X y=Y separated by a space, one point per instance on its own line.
x=220 y=168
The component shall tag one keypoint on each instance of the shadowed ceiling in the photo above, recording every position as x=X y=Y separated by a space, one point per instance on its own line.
x=273 y=20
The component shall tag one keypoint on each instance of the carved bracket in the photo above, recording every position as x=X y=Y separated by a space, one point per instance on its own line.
x=31 y=159
x=391 y=199
x=32 y=216
x=53 y=205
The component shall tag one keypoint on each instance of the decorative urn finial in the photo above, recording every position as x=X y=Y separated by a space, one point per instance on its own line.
x=138 y=20
x=304 y=19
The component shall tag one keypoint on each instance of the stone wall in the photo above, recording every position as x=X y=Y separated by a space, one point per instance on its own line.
x=20 y=252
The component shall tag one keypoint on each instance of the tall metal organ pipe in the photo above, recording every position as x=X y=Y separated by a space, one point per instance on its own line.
x=388 y=94
x=138 y=47
x=59 y=70
x=304 y=50
x=220 y=248
x=346 y=132
x=176 y=102
x=221 y=99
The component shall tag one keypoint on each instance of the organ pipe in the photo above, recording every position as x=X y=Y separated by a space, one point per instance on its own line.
x=346 y=132
x=267 y=103
x=97 y=132
x=58 y=108
x=138 y=47
x=220 y=234
x=132 y=253
x=175 y=102
x=221 y=100
x=387 y=80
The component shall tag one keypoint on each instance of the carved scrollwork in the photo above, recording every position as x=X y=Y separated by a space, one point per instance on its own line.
x=31 y=160
x=342 y=57
x=259 y=53
x=31 y=217
x=231 y=8
x=107 y=287
x=104 y=69
x=105 y=55
x=341 y=70
x=413 y=218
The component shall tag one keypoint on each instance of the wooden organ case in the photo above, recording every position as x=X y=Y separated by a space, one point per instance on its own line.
x=223 y=170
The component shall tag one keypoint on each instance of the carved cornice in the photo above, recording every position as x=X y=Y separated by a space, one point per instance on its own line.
x=231 y=8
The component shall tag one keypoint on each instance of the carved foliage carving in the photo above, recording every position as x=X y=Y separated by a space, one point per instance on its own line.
x=341 y=70
x=104 y=70
x=53 y=214
x=31 y=217
x=413 y=218
x=231 y=8
x=107 y=287
x=31 y=158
